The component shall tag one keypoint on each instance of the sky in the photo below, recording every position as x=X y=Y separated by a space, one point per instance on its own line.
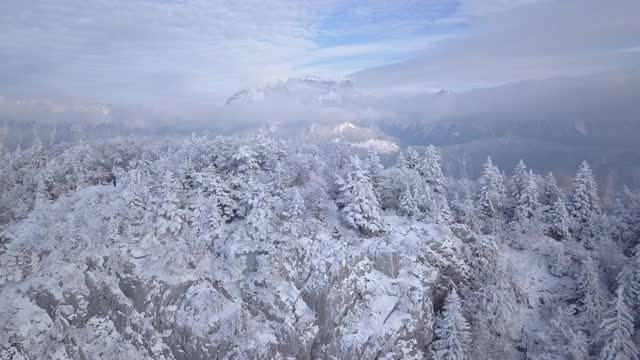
x=181 y=52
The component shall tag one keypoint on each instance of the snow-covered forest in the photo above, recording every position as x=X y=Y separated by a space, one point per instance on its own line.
x=267 y=248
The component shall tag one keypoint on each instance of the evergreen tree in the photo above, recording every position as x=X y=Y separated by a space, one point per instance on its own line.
x=492 y=192
x=550 y=191
x=42 y=193
x=412 y=159
x=451 y=331
x=560 y=262
x=259 y=218
x=519 y=180
x=585 y=201
x=294 y=213
x=171 y=216
x=630 y=279
x=361 y=208
x=39 y=159
x=375 y=172
x=590 y=297
x=408 y=203
x=401 y=162
x=616 y=331
x=431 y=171
x=527 y=201
x=559 y=221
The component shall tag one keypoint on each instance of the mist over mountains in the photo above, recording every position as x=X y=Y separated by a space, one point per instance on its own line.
x=553 y=123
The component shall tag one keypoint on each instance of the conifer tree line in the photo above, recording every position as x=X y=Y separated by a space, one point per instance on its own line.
x=189 y=191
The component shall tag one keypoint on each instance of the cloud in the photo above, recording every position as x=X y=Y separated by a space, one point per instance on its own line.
x=531 y=41
x=162 y=51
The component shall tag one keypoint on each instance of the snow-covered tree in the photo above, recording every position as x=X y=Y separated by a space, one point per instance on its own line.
x=585 y=201
x=431 y=171
x=42 y=193
x=550 y=191
x=451 y=330
x=294 y=213
x=559 y=262
x=375 y=172
x=39 y=159
x=519 y=180
x=527 y=201
x=591 y=299
x=412 y=159
x=616 y=331
x=171 y=216
x=559 y=221
x=492 y=191
x=259 y=219
x=401 y=162
x=245 y=160
x=409 y=203
x=629 y=279
x=361 y=209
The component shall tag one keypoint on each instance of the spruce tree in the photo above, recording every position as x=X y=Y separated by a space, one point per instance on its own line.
x=559 y=221
x=408 y=203
x=361 y=208
x=550 y=191
x=630 y=278
x=519 y=180
x=590 y=297
x=616 y=331
x=375 y=172
x=172 y=215
x=492 y=192
x=527 y=202
x=585 y=201
x=431 y=171
x=451 y=330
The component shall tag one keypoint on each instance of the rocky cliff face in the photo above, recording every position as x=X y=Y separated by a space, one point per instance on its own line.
x=74 y=285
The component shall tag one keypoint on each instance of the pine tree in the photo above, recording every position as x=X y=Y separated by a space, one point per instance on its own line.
x=293 y=215
x=527 y=202
x=550 y=191
x=590 y=297
x=401 y=162
x=560 y=262
x=408 y=203
x=559 y=221
x=616 y=332
x=375 y=172
x=39 y=159
x=585 y=201
x=431 y=171
x=259 y=218
x=492 y=192
x=630 y=278
x=451 y=331
x=361 y=208
x=171 y=216
x=519 y=180
x=412 y=159
x=42 y=193
x=245 y=160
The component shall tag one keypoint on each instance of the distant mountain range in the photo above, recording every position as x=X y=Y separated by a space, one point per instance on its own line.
x=308 y=90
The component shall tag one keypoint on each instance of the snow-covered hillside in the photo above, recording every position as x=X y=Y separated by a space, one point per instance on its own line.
x=261 y=248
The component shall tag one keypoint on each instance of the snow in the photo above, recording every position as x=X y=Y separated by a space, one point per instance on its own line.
x=380 y=146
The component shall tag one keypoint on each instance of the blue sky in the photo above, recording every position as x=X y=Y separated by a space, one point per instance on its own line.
x=152 y=51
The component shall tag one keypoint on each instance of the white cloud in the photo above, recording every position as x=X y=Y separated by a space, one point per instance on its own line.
x=531 y=41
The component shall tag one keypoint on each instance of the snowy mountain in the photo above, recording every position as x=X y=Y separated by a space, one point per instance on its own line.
x=308 y=90
x=261 y=248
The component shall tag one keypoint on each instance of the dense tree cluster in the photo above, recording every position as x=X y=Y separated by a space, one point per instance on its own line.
x=259 y=194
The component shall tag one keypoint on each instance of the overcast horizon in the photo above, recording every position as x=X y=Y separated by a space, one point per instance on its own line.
x=177 y=53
